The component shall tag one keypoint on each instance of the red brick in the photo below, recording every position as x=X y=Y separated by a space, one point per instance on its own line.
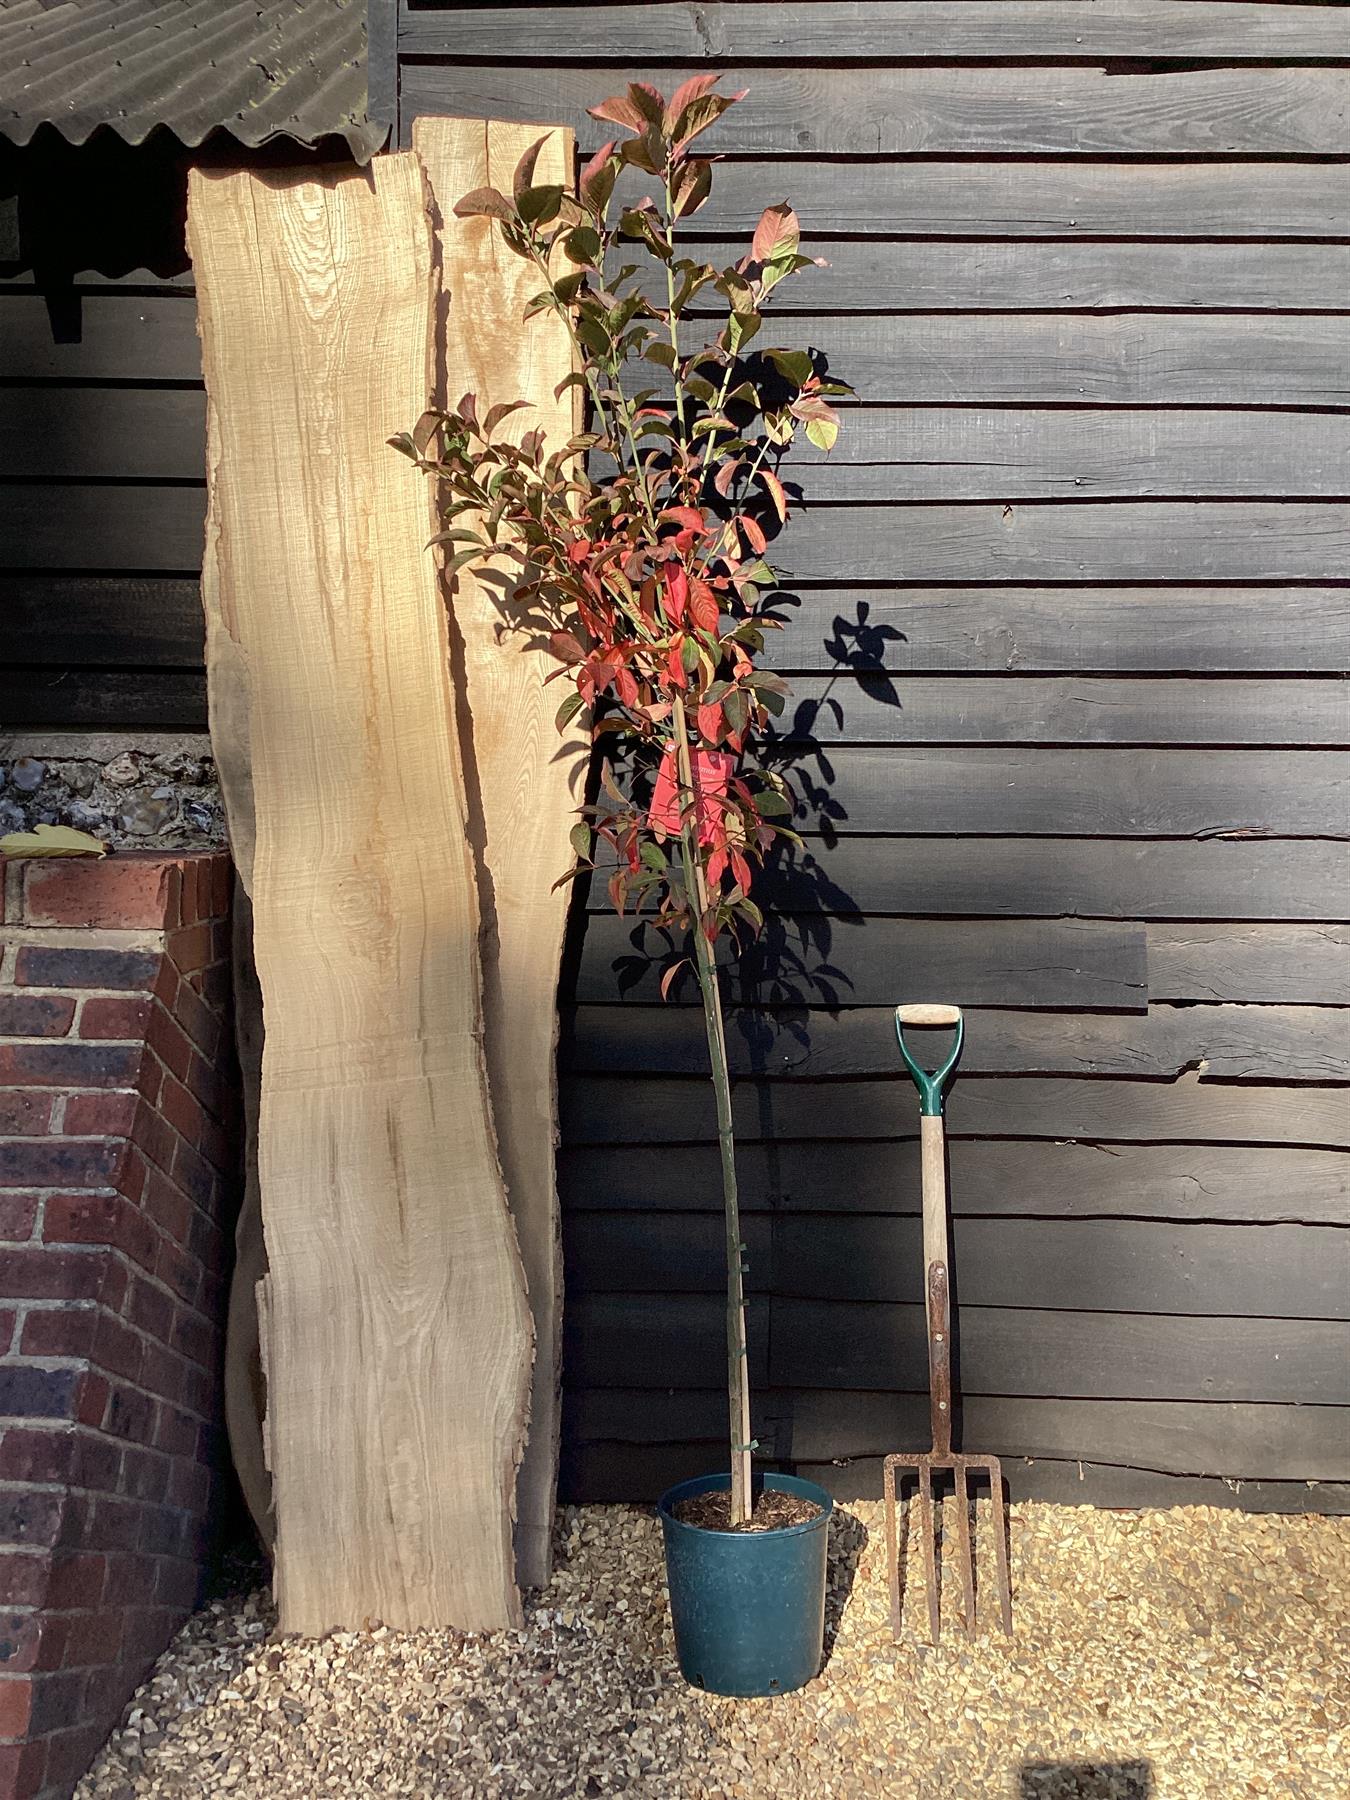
x=8 y=1316
x=201 y=1022
x=189 y=1486
x=57 y=1703
x=117 y=1349
x=94 y=1637
x=193 y=1338
x=76 y=1580
x=18 y=1213
x=132 y=1415
x=99 y=1219
x=24 y=1577
x=222 y=876
x=29 y=1516
x=167 y=1205
x=181 y=1110
x=179 y=1584
x=73 y=966
x=35 y=1015
x=95 y=1393
x=70 y=1752
x=117 y=1016
x=194 y=1174
x=193 y=948
x=59 y=1331
x=216 y=985
x=115 y=1284
x=34 y=1640
x=106 y=1114
x=133 y=1176
x=150 y=1309
x=119 y=1523
x=145 y=1474
x=69 y=1064
x=130 y=891
x=99 y=1462
x=61 y=1162
x=25 y=1112
x=39 y=1272
x=131 y=1577
x=177 y=1270
x=169 y=1042
x=16 y=1700
x=176 y=1431
x=23 y=1769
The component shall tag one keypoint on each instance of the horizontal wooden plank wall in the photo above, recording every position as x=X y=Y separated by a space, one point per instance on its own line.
x=1067 y=635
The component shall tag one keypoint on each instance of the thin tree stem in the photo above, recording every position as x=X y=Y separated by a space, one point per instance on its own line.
x=738 y=1373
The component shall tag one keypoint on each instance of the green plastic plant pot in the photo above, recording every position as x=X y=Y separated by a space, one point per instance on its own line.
x=748 y=1606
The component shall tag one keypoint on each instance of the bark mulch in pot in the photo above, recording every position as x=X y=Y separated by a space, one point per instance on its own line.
x=1189 y=1654
x=772 y=1511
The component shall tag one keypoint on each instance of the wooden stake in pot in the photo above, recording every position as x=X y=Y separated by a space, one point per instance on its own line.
x=937 y=1298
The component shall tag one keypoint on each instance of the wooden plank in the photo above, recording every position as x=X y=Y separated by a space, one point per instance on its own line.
x=683 y=1336
x=1147 y=540
x=1004 y=962
x=1227 y=1043
x=942 y=453
x=1082 y=1265
x=150 y=528
x=886 y=709
x=1272 y=964
x=965 y=198
x=143 y=528
x=528 y=784
x=1094 y=1484
x=1073 y=877
x=603 y=1109
x=1000 y=1179
x=396 y=1328
x=938 y=112
x=611 y=1474
x=1232 y=1438
x=960 y=630
x=1084 y=359
x=99 y=335
x=1095 y=792
x=887 y=453
x=110 y=699
x=921 y=275
x=1063 y=1355
x=77 y=432
x=143 y=622
x=846 y=31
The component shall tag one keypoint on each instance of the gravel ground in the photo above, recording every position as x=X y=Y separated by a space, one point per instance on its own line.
x=1158 y=1656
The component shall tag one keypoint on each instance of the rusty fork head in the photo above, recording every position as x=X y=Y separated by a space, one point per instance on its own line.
x=924 y=1467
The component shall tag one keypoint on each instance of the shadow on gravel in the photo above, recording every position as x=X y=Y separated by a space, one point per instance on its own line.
x=848 y=1540
x=1087 y=1781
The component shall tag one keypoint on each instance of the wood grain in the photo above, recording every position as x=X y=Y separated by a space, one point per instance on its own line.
x=943 y=112
x=1028 y=1179
x=615 y=1110
x=1271 y=964
x=1226 y=1043
x=528 y=780
x=396 y=1328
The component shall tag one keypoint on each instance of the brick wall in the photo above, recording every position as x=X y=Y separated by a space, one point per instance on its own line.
x=117 y=1155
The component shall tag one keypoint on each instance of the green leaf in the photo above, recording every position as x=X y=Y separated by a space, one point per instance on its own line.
x=772 y=805
x=568 y=711
x=51 y=840
x=579 y=837
x=795 y=366
x=823 y=433
x=583 y=245
x=661 y=353
x=537 y=205
x=485 y=203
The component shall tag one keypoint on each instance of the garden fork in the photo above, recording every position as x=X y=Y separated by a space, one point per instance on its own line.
x=930 y=1084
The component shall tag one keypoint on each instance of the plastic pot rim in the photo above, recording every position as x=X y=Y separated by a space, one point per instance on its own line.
x=711 y=1484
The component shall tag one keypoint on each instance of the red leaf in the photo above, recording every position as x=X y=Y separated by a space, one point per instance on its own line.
x=693 y=89
x=619 y=110
x=565 y=647
x=776 y=492
x=724 y=477
x=754 y=536
x=668 y=978
x=703 y=607
x=675 y=664
x=777 y=234
x=740 y=869
x=717 y=864
x=626 y=687
x=677 y=592
x=711 y=723
x=595 y=181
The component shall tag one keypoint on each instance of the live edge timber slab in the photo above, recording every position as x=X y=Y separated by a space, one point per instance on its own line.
x=395 y=1328
x=529 y=781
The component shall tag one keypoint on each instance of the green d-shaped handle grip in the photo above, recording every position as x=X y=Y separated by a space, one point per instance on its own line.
x=930 y=1082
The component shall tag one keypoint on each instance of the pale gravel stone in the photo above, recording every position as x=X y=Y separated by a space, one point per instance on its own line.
x=1169 y=1655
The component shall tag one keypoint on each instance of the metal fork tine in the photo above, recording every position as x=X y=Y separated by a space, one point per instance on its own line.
x=1000 y=1545
x=930 y=1562
x=892 y=1544
x=964 y=1551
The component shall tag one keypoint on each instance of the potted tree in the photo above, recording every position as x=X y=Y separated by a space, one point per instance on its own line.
x=638 y=548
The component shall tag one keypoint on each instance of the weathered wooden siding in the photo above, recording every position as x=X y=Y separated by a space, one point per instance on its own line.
x=1069 y=653
x=1072 y=632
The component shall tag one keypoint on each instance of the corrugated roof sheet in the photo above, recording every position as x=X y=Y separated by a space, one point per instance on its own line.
x=258 y=68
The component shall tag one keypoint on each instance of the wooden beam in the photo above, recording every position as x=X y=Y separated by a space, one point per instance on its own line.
x=819 y=111
x=528 y=782
x=396 y=1330
x=846 y=32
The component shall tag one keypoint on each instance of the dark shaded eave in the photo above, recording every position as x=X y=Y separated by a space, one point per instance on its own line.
x=259 y=69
